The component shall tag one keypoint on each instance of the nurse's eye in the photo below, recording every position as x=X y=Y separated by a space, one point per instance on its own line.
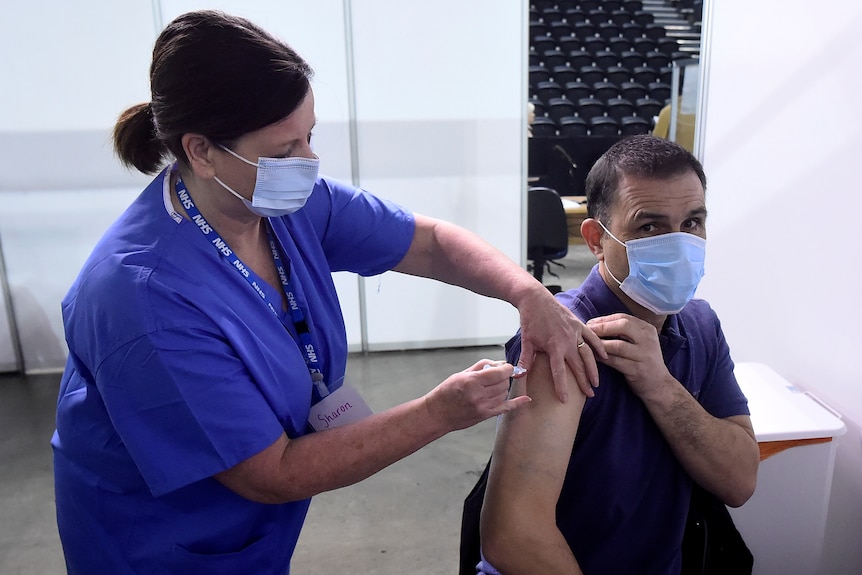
x=308 y=138
x=648 y=228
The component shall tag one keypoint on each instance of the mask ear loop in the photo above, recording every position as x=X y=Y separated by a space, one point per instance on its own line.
x=224 y=185
x=619 y=283
x=238 y=157
x=229 y=189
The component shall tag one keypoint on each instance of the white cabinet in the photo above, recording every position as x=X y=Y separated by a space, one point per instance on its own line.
x=784 y=521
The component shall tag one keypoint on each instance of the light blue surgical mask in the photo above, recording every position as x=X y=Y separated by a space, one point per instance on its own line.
x=664 y=270
x=283 y=185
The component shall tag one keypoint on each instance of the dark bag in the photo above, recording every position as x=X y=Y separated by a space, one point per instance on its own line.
x=470 y=543
x=712 y=545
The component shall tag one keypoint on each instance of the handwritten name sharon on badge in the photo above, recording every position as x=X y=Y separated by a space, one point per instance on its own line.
x=341 y=407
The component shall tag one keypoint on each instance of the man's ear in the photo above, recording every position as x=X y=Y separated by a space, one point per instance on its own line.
x=592 y=233
x=199 y=151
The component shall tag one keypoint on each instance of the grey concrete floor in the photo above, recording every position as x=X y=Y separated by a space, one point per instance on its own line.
x=404 y=519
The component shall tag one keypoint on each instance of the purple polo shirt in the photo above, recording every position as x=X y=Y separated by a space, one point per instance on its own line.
x=625 y=498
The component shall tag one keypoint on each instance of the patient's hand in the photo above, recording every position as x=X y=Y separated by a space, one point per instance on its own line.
x=633 y=349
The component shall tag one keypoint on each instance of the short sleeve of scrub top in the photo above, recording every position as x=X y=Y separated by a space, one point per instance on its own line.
x=196 y=377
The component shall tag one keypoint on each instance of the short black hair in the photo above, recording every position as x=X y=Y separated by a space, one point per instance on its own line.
x=642 y=155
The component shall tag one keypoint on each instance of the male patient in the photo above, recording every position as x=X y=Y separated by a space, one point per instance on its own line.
x=601 y=485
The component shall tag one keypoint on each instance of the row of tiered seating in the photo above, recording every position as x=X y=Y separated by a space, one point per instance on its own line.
x=598 y=67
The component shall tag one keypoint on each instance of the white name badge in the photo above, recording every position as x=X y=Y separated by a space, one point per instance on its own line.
x=340 y=407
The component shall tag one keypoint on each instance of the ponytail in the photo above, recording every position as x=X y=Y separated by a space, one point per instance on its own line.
x=136 y=141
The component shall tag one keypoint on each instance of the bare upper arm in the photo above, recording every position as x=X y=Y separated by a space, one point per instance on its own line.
x=417 y=259
x=533 y=448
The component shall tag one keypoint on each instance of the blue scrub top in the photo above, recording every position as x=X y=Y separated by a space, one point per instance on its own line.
x=177 y=370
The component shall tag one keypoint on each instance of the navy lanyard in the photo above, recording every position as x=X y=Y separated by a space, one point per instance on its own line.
x=301 y=326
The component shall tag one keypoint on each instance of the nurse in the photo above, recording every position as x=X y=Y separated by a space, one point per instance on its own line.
x=202 y=400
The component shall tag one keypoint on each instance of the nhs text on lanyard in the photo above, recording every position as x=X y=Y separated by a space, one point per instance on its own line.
x=343 y=406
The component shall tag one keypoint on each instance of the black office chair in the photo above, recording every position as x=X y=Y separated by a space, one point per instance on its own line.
x=547 y=231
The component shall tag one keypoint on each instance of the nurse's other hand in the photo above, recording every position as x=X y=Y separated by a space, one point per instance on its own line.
x=473 y=395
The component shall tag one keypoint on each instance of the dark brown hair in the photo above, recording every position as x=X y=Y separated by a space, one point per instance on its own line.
x=642 y=155
x=213 y=74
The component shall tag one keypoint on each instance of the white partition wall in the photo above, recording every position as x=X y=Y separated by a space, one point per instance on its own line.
x=440 y=110
x=781 y=148
x=438 y=116
x=68 y=70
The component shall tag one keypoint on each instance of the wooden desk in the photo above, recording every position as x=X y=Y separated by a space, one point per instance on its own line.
x=574 y=216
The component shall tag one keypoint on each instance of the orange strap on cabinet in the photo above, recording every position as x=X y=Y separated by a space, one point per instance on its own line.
x=770 y=448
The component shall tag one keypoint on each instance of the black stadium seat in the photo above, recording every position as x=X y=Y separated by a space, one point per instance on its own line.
x=591 y=74
x=589 y=108
x=603 y=126
x=648 y=108
x=564 y=74
x=606 y=58
x=569 y=44
x=619 y=108
x=632 y=59
x=577 y=90
x=604 y=91
x=659 y=91
x=645 y=74
x=573 y=126
x=553 y=58
x=548 y=90
x=543 y=127
x=559 y=108
x=578 y=59
x=611 y=55
x=633 y=90
x=538 y=74
x=618 y=74
x=631 y=125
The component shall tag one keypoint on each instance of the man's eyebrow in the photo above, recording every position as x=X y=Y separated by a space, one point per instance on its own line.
x=645 y=215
